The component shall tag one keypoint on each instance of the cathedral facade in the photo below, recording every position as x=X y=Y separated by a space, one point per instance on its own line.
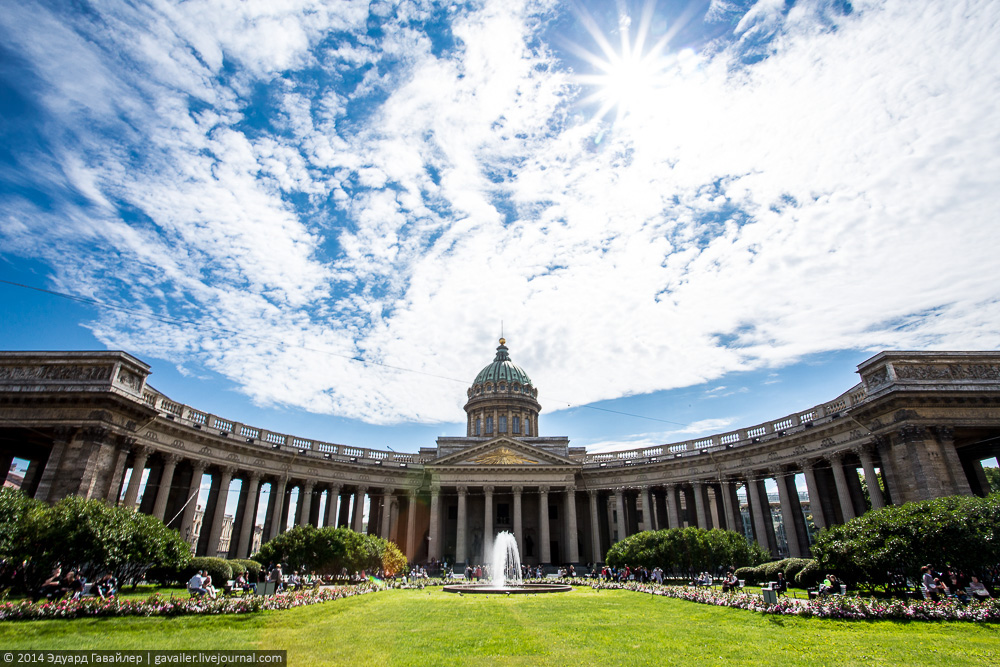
x=916 y=426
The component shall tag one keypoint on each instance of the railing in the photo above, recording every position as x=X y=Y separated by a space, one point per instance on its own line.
x=252 y=435
x=794 y=423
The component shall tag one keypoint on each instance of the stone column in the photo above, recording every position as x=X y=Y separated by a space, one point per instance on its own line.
x=945 y=437
x=595 y=528
x=812 y=487
x=344 y=513
x=60 y=442
x=620 y=504
x=357 y=525
x=387 y=497
x=332 y=497
x=871 y=478
x=187 y=519
x=411 y=525
x=572 y=533
x=215 y=533
x=518 y=527
x=673 y=519
x=843 y=492
x=699 y=504
x=249 y=516
x=545 y=548
x=727 y=505
x=788 y=511
x=647 y=509
x=305 y=501
x=732 y=491
x=278 y=493
x=434 y=548
x=166 y=480
x=487 y=521
x=119 y=453
x=461 y=529
x=760 y=511
x=138 y=466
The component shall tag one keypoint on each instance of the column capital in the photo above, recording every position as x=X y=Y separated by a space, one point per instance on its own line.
x=229 y=470
x=309 y=485
x=462 y=490
x=913 y=433
x=543 y=489
x=256 y=475
x=142 y=450
x=199 y=465
x=388 y=491
x=836 y=457
x=863 y=451
x=945 y=433
x=593 y=492
x=435 y=490
x=173 y=459
x=336 y=487
x=412 y=493
x=571 y=488
x=518 y=490
x=488 y=490
x=362 y=490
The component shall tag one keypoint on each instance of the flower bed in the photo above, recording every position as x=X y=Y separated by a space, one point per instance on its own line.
x=158 y=605
x=837 y=606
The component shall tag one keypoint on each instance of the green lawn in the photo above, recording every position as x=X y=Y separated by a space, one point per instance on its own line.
x=581 y=627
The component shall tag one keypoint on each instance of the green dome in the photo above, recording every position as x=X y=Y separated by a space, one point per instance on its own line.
x=502 y=370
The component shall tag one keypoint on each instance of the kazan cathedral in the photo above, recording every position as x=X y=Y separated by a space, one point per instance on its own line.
x=917 y=425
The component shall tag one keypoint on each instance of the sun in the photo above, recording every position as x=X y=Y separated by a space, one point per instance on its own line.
x=629 y=77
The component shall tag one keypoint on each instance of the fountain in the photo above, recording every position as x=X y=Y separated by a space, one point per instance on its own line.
x=505 y=573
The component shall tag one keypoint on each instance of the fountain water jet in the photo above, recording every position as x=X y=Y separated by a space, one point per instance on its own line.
x=505 y=573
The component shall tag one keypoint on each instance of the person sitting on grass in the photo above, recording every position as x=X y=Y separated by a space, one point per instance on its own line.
x=73 y=585
x=51 y=588
x=196 y=585
x=106 y=586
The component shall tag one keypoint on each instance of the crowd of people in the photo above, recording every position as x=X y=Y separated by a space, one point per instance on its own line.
x=72 y=585
x=939 y=585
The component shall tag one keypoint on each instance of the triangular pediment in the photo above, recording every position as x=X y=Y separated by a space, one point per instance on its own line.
x=502 y=452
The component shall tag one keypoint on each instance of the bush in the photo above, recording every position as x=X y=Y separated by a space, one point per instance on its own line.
x=769 y=571
x=329 y=550
x=251 y=567
x=885 y=547
x=237 y=567
x=685 y=551
x=217 y=568
x=809 y=576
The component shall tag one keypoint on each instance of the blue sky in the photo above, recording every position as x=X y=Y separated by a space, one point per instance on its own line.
x=314 y=216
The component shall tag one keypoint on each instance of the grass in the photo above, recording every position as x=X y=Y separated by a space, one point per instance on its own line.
x=580 y=627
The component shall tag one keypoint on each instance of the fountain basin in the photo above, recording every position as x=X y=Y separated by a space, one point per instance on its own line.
x=521 y=589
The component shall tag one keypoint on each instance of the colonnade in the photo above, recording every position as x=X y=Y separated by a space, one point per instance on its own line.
x=174 y=486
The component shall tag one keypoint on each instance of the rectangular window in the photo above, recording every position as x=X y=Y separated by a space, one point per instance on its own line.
x=517 y=425
x=489 y=424
x=479 y=427
x=503 y=424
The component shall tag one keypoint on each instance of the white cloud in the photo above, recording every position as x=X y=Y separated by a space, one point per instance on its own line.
x=835 y=194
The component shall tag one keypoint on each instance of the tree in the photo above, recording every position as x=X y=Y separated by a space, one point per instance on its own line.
x=329 y=550
x=993 y=478
x=88 y=535
x=686 y=551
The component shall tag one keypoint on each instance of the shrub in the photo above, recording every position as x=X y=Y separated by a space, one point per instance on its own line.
x=685 y=551
x=885 y=547
x=328 y=550
x=251 y=567
x=809 y=576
